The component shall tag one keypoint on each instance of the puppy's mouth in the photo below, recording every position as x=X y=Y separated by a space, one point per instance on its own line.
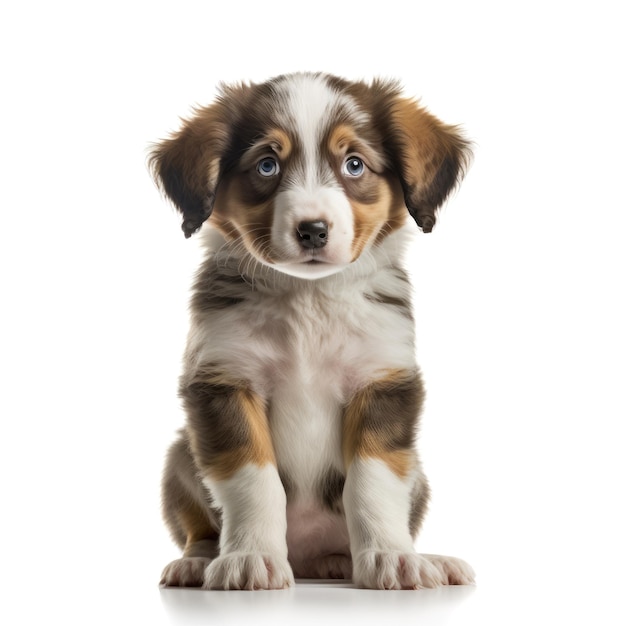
x=310 y=268
x=311 y=264
x=315 y=259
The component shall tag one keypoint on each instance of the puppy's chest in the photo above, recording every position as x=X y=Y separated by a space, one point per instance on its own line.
x=322 y=355
x=324 y=345
x=306 y=352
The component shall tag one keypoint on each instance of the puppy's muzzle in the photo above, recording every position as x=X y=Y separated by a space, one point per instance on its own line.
x=312 y=235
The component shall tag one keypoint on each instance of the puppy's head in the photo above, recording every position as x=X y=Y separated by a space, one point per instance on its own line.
x=308 y=170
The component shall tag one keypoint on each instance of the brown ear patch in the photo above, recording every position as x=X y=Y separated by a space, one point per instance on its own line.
x=431 y=158
x=187 y=166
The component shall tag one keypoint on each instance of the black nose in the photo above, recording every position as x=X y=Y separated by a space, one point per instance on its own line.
x=313 y=234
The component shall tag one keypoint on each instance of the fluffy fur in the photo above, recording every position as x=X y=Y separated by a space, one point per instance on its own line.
x=300 y=384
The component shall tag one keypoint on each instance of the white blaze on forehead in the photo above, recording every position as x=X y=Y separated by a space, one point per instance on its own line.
x=310 y=102
x=308 y=106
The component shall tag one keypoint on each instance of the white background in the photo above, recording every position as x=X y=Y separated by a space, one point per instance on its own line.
x=519 y=294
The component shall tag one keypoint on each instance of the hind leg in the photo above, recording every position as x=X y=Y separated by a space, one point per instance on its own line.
x=192 y=523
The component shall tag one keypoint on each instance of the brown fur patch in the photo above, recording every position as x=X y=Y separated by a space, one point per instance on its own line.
x=432 y=158
x=197 y=525
x=400 y=462
x=340 y=140
x=376 y=220
x=344 y=140
x=368 y=221
x=216 y=289
x=381 y=419
x=274 y=142
x=243 y=213
x=280 y=143
x=257 y=450
x=187 y=165
x=403 y=305
x=397 y=213
x=227 y=427
x=331 y=490
x=186 y=504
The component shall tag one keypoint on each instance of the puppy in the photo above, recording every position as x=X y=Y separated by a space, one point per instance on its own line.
x=300 y=385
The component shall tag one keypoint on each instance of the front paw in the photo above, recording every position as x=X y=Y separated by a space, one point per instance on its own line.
x=248 y=570
x=454 y=571
x=185 y=572
x=379 y=569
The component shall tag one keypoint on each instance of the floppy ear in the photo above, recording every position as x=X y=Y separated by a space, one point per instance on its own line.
x=430 y=157
x=187 y=166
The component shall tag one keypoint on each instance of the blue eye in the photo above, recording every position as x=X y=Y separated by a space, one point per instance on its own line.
x=268 y=166
x=353 y=166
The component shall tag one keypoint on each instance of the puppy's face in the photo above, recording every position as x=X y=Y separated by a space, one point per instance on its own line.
x=307 y=171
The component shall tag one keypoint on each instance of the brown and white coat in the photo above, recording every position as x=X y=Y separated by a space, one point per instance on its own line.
x=300 y=384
